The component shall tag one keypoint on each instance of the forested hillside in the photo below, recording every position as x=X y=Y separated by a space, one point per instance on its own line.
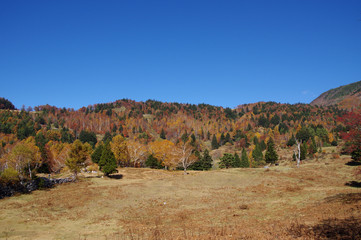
x=158 y=134
x=347 y=96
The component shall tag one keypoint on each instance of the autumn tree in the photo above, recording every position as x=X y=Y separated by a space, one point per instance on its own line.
x=184 y=153
x=352 y=135
x=59 y=152
x=120 y=150
x=164 y=150
x=78 y=154
x=26 y=156
x=137 y=152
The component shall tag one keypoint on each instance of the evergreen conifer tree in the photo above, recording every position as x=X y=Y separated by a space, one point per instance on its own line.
x=97 y=153
x=236 y=161
x=263 y=145
x=313 y=147
x=107 y=162
x=226 y=161
x=153 y=162
x=162 y=134
x=271 y=155
x=244 y=159
x=214 y=142
x=303 y=151
x=291 y=141
x=107 y=137
x=206 y=160
x=222 y=141
x=228 y=138
x=257 y=156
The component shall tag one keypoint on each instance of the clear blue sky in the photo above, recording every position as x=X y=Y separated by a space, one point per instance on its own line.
x=76 y=53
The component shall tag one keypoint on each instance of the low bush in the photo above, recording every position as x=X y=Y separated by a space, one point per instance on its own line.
x=9 y=176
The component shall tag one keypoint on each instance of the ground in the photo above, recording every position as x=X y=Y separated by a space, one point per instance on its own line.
x=282 y=202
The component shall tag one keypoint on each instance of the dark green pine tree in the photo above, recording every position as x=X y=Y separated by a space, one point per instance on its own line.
x=207 y=160
x=107 y=162
x=228 y=138
x=226 y=161
x=193 y=140
x=313 y=147
x=263 y=145
x=214 y=142
x=271 y=154
x=153 y=162
x=236 y=161
x=292 y=141
x=257 y=156
x=97 y=153
x=185 y=137
x=303 y=149
x=222 y=141
x=162 y=134
x=244 y=159
x=107 y=137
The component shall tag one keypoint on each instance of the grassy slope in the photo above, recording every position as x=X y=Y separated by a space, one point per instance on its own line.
x=155 y=204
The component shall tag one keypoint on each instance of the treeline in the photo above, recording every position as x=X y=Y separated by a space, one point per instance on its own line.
x=160 y=127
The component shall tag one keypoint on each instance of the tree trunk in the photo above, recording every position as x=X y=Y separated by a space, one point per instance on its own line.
x=298 y=156
x=30 y=171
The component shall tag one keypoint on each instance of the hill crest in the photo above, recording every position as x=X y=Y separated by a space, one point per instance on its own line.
x=347 y=96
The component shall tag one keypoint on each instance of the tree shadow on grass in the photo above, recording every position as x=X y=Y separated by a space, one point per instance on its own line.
x=353 y=163
x=332 y=228
x=116 y=176
x=345 y=198
x=354 y=184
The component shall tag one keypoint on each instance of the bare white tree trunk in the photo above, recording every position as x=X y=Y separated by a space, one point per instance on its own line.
x=298 y=156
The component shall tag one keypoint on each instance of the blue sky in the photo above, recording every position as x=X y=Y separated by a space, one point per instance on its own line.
x=224 y=53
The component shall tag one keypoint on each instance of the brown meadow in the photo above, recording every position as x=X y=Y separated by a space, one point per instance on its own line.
x=281 y=202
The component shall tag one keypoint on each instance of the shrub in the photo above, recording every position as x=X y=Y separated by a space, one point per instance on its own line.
x=9 y=176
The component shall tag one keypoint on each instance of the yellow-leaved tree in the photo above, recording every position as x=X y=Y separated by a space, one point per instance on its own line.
x=120 y=149
x=78 y=154
x=26 y=156
x=165 y=151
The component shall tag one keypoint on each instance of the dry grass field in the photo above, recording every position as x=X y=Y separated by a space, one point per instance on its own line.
x=281 y=202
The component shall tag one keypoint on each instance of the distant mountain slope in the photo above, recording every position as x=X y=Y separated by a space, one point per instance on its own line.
x=347 y=96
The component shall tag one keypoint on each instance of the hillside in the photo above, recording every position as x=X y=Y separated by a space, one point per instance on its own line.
x=347 y=96
x=52 y=130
